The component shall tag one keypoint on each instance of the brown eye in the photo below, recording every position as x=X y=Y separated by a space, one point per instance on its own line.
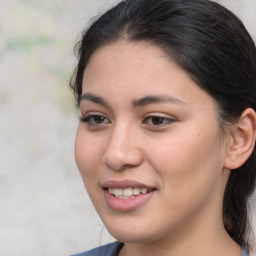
x=158 y=120
x=95 y=119
x=98 y=119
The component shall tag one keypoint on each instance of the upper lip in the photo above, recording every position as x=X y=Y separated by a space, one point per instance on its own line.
x=125 y=184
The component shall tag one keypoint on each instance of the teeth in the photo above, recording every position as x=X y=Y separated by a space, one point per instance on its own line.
x=118 y=192
x=144 y=191
x=127 y=192
x=136 y=191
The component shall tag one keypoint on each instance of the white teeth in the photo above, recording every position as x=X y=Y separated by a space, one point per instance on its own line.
x=144 y=191
x=118 y=191
x=136 y=191
x=126 y=192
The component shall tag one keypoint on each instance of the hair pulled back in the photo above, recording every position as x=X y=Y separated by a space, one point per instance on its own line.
x=209 y=43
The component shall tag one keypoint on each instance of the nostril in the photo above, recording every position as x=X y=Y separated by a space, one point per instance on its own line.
x=122 y=150
x=122 y=160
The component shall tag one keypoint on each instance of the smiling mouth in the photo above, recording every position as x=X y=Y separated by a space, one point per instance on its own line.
x=127 y=193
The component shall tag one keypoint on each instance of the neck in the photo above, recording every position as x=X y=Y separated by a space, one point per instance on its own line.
x=190 y=241
x=202 y=234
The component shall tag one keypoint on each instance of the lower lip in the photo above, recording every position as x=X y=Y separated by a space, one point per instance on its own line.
x=129 y=204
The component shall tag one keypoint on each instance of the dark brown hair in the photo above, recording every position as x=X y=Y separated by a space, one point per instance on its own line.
x=212 y=45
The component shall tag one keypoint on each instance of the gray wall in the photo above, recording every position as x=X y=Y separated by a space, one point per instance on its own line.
x=44 y=207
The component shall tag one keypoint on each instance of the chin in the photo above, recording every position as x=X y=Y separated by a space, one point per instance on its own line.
x=127 y=237
x=128 y=234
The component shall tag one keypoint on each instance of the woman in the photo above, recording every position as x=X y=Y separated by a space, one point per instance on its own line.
x=166 y=142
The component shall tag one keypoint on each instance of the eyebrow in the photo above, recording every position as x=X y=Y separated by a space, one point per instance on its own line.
x=151 y=99
x=93 y=98
x=147 y=100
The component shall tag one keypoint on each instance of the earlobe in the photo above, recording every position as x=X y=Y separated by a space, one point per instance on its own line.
x=242 y=140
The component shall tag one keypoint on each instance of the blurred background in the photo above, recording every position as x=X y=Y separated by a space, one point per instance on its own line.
x=44 y=209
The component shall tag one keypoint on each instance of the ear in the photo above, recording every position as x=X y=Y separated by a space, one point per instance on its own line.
x=242 y=140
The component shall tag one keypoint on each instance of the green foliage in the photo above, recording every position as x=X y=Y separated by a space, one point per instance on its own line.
x=27 y=43
x=4 y=97
x=51 y=7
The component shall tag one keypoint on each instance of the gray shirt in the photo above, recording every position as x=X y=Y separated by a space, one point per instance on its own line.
x=113 y=249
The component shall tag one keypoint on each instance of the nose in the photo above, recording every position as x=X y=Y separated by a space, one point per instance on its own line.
x=123 y=149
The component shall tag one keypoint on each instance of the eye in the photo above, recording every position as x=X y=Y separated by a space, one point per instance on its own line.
x=158 y=121
x=94 y=119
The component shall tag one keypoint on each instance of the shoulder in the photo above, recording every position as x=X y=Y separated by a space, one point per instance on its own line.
x=111 y=249
x=245 y=251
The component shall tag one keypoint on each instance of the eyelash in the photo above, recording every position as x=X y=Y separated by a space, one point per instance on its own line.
x=88 y=119
x=166 y=120
x=91 y=120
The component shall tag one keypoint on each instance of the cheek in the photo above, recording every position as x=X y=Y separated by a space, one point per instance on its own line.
x=87 y=154
x=189 y=162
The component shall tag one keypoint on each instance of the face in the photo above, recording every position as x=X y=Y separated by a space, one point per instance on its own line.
x=148 y=145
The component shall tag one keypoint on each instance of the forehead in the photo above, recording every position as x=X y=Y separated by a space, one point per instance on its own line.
x=123 y=69
x=128 y=56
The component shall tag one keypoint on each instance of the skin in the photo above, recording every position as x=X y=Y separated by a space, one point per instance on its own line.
x=182 y=156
